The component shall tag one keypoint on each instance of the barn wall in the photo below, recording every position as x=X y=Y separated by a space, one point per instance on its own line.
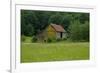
x=64 y=35
x=57 y=35
x=51 y=33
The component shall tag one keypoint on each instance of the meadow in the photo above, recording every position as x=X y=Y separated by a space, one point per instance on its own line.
x=54 y=36
x=61 y=51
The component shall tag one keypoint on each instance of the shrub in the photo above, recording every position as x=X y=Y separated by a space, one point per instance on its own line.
x=23 y=38
x=58 y=40
x=79 y=31
x=64 y=39
x=34 y=39
x=49 y=40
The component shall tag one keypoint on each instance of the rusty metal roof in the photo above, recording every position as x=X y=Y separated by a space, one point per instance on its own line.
x=58 y=28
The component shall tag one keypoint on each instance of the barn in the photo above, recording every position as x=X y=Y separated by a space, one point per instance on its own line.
x=53 y=31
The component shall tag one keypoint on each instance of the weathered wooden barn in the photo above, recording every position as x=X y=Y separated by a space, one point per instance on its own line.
x=53 y=31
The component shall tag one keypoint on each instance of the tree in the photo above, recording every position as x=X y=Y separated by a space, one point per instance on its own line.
x=29 y=30
x=55 y=18
x=75 y=30
x=79 y=32
x=84 y=17
x=76 y=24
x=66 y=21
x=85 y=31
x=28 y=19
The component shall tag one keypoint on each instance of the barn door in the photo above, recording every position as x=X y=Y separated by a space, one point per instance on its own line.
x=61 y=34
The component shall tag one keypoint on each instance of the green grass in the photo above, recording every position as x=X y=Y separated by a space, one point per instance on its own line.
x=43 y=52
x=28 y=39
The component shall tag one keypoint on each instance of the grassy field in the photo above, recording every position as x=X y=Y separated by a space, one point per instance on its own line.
x=42 y=52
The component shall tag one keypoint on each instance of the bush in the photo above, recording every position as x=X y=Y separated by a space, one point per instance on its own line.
x=23 y=38
x=64 y=38
x=34 y=39
x=79 y=31
x=58 y=40
x=49 y=40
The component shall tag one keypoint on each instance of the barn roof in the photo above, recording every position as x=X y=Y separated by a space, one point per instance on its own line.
x=58 y=28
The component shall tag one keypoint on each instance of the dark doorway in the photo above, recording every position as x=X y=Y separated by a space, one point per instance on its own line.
x=61 y=34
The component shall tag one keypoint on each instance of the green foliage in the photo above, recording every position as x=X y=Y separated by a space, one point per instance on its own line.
x=58 y=40
x=34 y=39
x=76 y=24
x=64 y=39
x=49 y=40
x=27 y=22
x=84 y=17
x=85 y=31
x=57 y=18
x=23 y=38
x=29 y=30
x=79 y=32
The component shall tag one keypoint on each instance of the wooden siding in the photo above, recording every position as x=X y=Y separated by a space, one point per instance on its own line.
x=51 y=33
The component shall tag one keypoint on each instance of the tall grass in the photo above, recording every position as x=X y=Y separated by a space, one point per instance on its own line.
x=42 y=52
